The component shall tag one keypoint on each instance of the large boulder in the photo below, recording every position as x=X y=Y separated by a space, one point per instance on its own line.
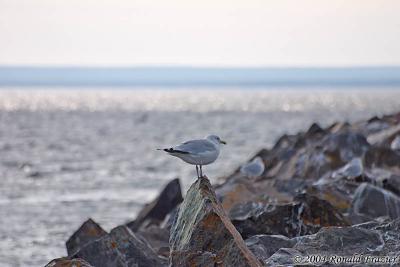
x=155 y=212
x=88 y=232
x=120 y=248
x=372 y=201
x=203 y=235
x=304 y=216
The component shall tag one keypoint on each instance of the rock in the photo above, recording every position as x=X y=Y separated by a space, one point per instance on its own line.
x=291 y=187
x=383 y=137
x=373 y=126
x=395 y=144
x=263 y=246
x=339 y=127
x=88 y=232
x=283 y=257
x=351 y=170
x=310 y=159
x=155 y=212
x=392 y=183
x=158 y=238
x=381 y=157
x=338 y=194
x=332 y=241
x=315 y=130
x=170 y=218
x=235 y=191
x=120 y=248
x=340 y=241
x=304 y=216
x=385 y=179
x=65 y=262
x=373 y=202
x=391 y=236
x=203 y=235
x=343 y=147
x=374 y=223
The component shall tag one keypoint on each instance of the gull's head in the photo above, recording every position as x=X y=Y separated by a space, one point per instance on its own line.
x=215 y=139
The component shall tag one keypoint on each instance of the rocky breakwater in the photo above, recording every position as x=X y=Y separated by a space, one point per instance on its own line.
x=326 y=196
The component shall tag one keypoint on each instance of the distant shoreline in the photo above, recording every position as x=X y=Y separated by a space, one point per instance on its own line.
x=30 y=76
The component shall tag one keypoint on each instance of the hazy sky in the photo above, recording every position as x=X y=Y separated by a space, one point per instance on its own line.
x=200 y=33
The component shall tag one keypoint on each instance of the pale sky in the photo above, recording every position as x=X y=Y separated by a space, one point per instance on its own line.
x=200 y=33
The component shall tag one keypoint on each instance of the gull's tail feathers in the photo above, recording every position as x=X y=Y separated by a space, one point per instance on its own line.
x=173 y=151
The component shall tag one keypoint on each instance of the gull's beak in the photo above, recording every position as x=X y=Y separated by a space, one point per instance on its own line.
x=222 y=142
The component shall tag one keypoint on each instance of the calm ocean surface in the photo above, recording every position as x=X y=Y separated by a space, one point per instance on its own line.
x=67 y=154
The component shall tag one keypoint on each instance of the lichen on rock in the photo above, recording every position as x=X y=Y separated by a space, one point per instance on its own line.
x=203 y=235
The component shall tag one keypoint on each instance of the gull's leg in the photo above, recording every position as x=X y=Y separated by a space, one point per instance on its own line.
x=197 y=171
x=201 y=171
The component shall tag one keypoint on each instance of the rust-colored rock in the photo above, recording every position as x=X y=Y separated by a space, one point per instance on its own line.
x=203 y=235
x=88 y=232
x=306 y=215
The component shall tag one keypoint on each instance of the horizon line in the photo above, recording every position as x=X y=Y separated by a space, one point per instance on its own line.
x=186 y=66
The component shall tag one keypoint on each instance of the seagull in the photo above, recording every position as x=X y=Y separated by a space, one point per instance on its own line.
x=253 y=168
x=198 y=152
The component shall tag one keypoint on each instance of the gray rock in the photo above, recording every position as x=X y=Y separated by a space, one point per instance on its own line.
x=158 y=238
x=392 y=183
x=155 y=212
x=120 y=248
x=391 y=235
x=382 y=157
x=299 y=157
x=345 y=146
x=385 y=179
x=169 y=218
x=385 y=136
x=315 y=130
x=203 y=235
x=375 y=202
x=88 y=232
x=263 y=246
x=339 y=241
x=283 y=257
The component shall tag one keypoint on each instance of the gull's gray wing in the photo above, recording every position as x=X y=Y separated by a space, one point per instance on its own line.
x=196 y=146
